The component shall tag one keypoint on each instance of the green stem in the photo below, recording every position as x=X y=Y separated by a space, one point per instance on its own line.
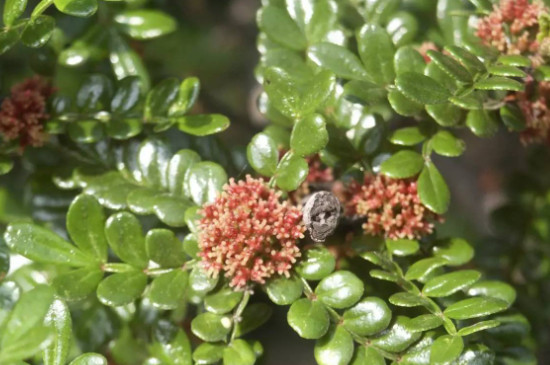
x=238 y=312
x=117 y=267
x=40 y=8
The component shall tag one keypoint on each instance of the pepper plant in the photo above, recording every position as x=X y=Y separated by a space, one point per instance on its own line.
x=138 y=230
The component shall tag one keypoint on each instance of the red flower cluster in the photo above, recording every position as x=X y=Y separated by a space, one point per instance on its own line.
x=22 y=114
x=536 y=113
x=512 y=26
x=392 y=208
x=318 y=174
x=249 y=234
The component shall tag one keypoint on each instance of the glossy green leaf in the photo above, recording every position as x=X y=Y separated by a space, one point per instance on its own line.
x=239 y=352
x=368 y=317
x=253 y=316
x=187 y=96
x=402 y=28
x=77 y=284
x=447 y=284
x=402 y=247
x=446 y=115
x=94 y=93
x=340 y=290
x=481 y=123
x=42 y=245
x=433 y=190
x=168 y=290
x=493 y=289
x=291 y=172
x=202 y=125
x=308 y=318
x=153 y=158
x=125 y=61
x=211 y=327
x=88 y=131
x=316 y=263
x=127 y=95
x=164 y=248
x=175 y=352
x=468 y=59
x=507 y=71
x=335 y=348
x=367 y=355
x=379 y=11
x=13 y=9
x=421 y=88
x=284 y=291
x=145 y=23
x=475 y=307
x=208 y=353
x=123 y=129
x=514 y=60
x=263 y=154
x=200 y=282
x=309 y=135
x=446 y=349
x=377 y=51
x=478 y=327
x=125 y=237
x=455 y=251
x=403 y=105
x=279 y=27
x=38 y=32
x=403 y=164
x=122 y=288
x=85 y=225
x=205 y=181
x=451 y=67
x=222 y=301
x=499 y=83
x=425 y=322
x=408 y=136
x=408 y=59
x=8 y=38
x=406 y=299
x=339 y=60
x=59 y=319
x=89 y=359
x=398 y=337
x=445 y=144
x=423 y=267
x=513 y=118
x=178 y=168
x=81 y=8
x=37 y=339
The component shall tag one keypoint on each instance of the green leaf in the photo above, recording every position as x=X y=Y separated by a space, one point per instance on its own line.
x=422 y=268
x=509 y=71
x=475 y=307
x=291 y=172
x=127 y=95
x=187 y=96
x=468 y=59
x=86 y=226
x=480 y=326
x=153 y=159
x=308 y=318
x=42 y=245
x=77 y=284
x=279 y=27
x=402 y=247
x=456 y=252
x=125 y=61
x=81 y=8
x=422 y=89
x=205 y=181
x=335 y=348
x=445 y=144
x=175 y=352
x=89 y=359
x=122 y=129
x=433 y=190
x=144 y=24
x=59 y=318
x=398 y=337
x=493 y=289
x=263 y=154
x=425 y=322
x=36 y=339
x=164 y=248
x=340 y=290
x=211 y=327
x=402 y=27
x=316 y=263
x=6 y=165
x=499 y=83
x=125 y=237
x=38 y=32
x=402 y=165
x=309 y=135
x=222 y=301
x=368 y=317
x=284 y=291
x=514 y=60
x=200 y=282
x=408 y=59
x=8 y=38
x=451 y=67
x=481 y=123
x=168 y=290
x=208 y=353
x=377 y=51
x=178 y=168
x=4 y=258
x=446 y=349
x=403 y=105
x=13 y=9
x=202 y=125
x=253 y=316
x=446 y=115
x=513 y=118
x=88 y=131
x=339 y=60
x=379 y=11
x=122 y=288
x=367 y=355
x=407 y=300
x=239 y=352
x=447 y=284
x=408 y=136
